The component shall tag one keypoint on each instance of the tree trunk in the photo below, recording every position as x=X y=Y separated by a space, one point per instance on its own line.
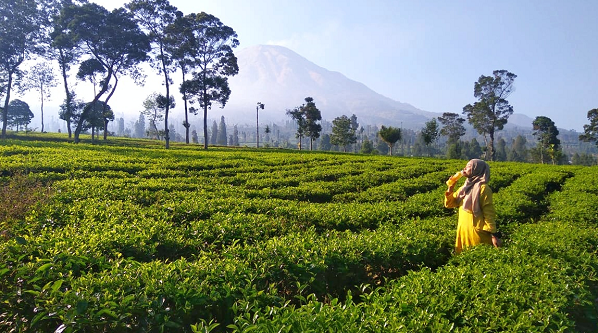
x=491 y=146
x=6 y=101
x=42 y=109
x=69 y=97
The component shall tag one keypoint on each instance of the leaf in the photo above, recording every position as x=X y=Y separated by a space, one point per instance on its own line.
x=43 y=268
x=56 y=286
x=21 y=240
x=82 y=306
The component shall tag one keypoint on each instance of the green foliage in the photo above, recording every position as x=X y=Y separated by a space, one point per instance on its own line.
x=590 y=131
x=492 y=110
x=137 y=238
x=343 y=133
x=390 y=135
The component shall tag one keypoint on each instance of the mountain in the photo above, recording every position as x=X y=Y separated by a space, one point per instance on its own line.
x=281 y=79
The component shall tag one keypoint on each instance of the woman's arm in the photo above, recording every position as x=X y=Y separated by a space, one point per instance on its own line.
x=450 y=198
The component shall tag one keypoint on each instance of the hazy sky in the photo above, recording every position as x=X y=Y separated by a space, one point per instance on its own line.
x=430 y=53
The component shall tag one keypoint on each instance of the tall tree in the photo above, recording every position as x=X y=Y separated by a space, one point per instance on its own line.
x=140 y=126
x=492 y=110
x=222 y=137
x=390 y=135
x=453 y=127
x=299 y=117
x=312 y=119
x=19 y=114
x=41 y=79
x=355 y=128
x=518 y=152
x=19 y=39
x=214 y=133
x=429 y=134
x=213 y=61
x=97 y=115
x=155 y=16
x=67 y=52
x=590 y=131
x=113 y=39
x=501 y=150
x=154 y=113
x=342 y=132
x=546 y=133
x=180 y=40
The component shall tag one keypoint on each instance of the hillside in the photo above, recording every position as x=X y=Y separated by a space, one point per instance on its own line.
x=281 y=79
x=132 y=237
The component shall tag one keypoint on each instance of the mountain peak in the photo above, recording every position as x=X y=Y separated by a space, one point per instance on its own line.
x=281 y=79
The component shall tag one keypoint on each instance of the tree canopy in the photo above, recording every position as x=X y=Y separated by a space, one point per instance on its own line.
x=546 y=133
x=342 y=132
x=453 y=127
x=492 y=110
x=19 y=114
x=211 y=53
x=590 y=131
x=114 y=40
x=20 y=35
x=390 y=135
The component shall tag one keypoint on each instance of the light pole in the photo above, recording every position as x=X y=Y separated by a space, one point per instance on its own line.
x=257 y=121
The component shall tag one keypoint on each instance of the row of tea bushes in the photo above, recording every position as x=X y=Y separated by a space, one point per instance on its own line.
x=540 y=282
x=51 y=281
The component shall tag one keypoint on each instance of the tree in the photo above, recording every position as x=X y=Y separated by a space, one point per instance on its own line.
x=492 y=110
x=518 y=152
x=501 y=150
x=41 y=78
x=214 y=136
x=154 y=113
x=471 y=150
x=114 y=40
x=590 y=131
x=222 y=136
x=213 y=60
x=91 y=70
x=452 y=128
x=180 y=39
x=342 y=132
x=390 y=135
x=140 y=126
x=354 y=126
x=19 y=114
x=67 y=53
x=429 y=134
x=235 y=141
x=367 y=147
x=325 y=144
x=312 y=117
x=299 y=117
x=97 y=115
x=546 y=133
x=19 y=39
x=155 y=16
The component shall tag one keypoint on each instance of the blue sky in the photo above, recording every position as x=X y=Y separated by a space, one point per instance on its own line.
x=430 y=53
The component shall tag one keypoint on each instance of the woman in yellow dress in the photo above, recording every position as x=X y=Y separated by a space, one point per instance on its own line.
x=477 y=217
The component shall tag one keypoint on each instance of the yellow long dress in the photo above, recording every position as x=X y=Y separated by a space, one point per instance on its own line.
x=473 y=230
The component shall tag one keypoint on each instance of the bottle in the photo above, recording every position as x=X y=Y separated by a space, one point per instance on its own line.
x=454 y=178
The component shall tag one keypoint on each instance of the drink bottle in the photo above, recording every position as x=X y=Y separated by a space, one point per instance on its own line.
x=454 y=178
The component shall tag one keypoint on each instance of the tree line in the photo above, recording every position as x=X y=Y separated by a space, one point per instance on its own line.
x=488 y=115
x=103 y=46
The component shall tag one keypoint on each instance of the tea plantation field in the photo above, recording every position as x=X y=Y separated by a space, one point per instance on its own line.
x=132 y=237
